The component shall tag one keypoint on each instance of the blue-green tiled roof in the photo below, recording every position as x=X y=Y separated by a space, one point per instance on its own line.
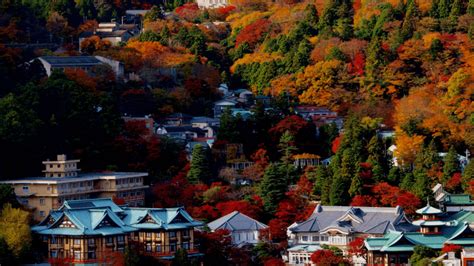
x=451 y=232
x=104 y=217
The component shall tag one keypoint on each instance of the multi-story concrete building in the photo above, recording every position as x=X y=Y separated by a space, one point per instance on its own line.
x=63 y=181
x=96 y=231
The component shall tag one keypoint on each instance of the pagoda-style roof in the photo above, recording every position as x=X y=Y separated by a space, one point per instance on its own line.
x=429 y=210
x=456 y=229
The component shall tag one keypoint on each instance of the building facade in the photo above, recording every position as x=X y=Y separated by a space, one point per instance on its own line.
x=97 y=231
x=63 y=181
x=436 y=229
x=243 y=229
x=339 y=225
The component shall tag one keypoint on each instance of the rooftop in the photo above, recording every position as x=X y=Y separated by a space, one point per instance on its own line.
x=104 y=217
x=236 y=221
x=79 y=177
x=64 y=61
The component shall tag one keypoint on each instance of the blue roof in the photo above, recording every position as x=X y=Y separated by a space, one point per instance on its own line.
x=236 y=221
x=104 y=217
x=455 y=230
x=369 y=220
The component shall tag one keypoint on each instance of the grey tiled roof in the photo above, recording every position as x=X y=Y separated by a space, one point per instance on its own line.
x=236 y=221
x=372 y=220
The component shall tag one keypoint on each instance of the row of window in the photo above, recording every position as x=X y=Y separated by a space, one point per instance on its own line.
x=128 y=180
x=90 y=241
x=172 y=247
x=171 y=234
x=67 y=165
x=129 y=194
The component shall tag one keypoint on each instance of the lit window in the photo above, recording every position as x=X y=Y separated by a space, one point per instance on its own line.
x=148 y=247
x=77 y=241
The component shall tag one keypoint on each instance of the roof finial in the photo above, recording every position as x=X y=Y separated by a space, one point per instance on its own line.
x=427 y=201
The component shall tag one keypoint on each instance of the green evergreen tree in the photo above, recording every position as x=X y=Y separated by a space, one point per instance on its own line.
x=200 y=170
x=394 y=176
x=287 y=149
x=356 y=187
x=302 y=56
x=373 y=60
x=422 y=186
x=470 y=8
x=420 y=253
x=456 y=9
x=154 y=14
x=342 y=180
x=228 y=127
x=468 y=174
x=451 y=164
x=443 y=8
x=434 y=9
x=273 y=187
x=409 y=21
x=327 y=19
x=165 y=35
x=311 y=16
x=427 y=158
x=408 y=182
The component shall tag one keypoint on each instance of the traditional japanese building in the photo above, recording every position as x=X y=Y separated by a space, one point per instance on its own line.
x=435 y=230
x=339 y=225
x=94 y=230
x=64 y=181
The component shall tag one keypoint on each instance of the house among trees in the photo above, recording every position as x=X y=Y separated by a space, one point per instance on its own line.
x=212 y=3
x=452 y=202
x=337 y=226
x=63 y=181
x=111 y=31
x=437 y=230
x=98 y=231
x=86 y=63
x=244 y=230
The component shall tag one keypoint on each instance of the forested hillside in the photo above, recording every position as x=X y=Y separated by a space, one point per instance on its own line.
x=406 y=66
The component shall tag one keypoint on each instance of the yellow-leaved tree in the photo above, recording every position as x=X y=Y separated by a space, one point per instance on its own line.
x=15 y=229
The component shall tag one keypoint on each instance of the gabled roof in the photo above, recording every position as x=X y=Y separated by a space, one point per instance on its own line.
x=236 y=221
x=454 y=230
x=103 y=217
x=346 y=219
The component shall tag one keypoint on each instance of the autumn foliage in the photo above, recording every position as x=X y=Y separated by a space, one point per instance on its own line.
x=253 y=32
x=385 y=195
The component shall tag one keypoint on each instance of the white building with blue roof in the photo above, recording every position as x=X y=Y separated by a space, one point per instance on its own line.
x=339 y=225
x=244 y=229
